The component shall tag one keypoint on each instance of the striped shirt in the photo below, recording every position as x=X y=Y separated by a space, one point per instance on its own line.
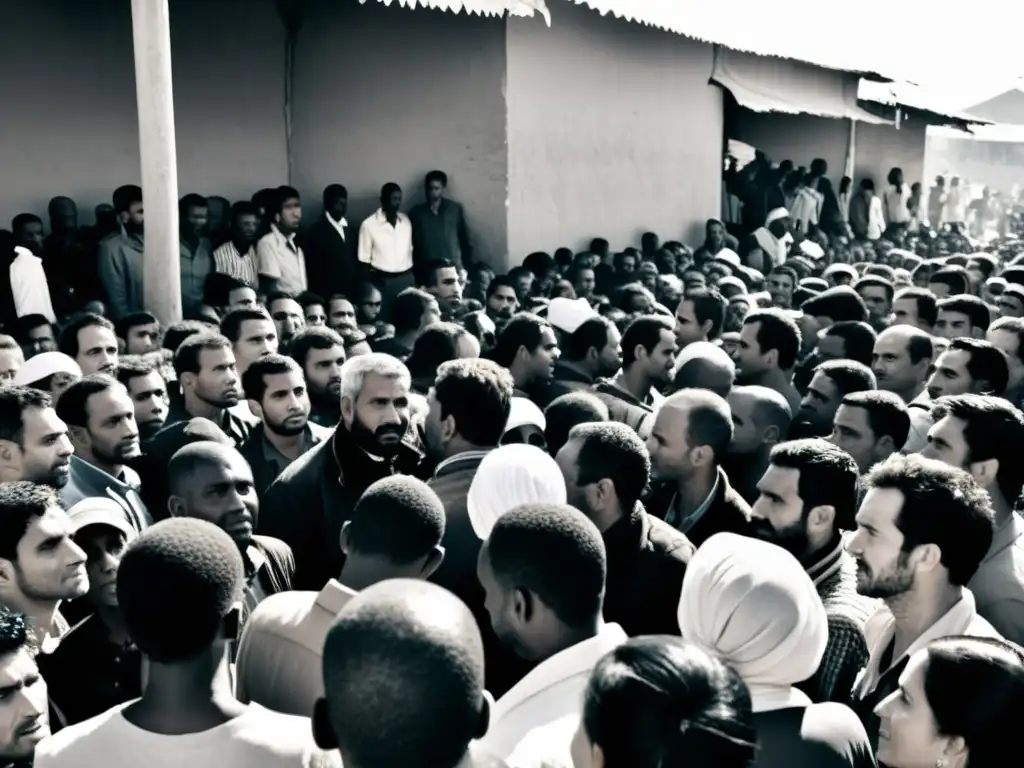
x=228 y=260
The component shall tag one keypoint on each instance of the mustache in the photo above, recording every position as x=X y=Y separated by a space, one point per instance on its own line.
x=389 y=429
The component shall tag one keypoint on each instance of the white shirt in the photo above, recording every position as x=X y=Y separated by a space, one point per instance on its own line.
x=258 y=738
x=551 y=692
x=338 y=225
x=29 y=286
x=384 y=247
x=281 y=259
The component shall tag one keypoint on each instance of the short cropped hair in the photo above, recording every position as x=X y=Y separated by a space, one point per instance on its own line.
x=132 y=367
x=828 y=476
x=231 y=323
x=14 y=401
x=408 y=308
x=254 y=381
x=975 y=309
x=310 y=338
x=73 y=405
x=942 y=505
x=68 y=342
x=710 y=421
x=887 y=414
x=355 y=370
x=477 y=393
x=592 y=334
x=708 y=304
x=186 y=359
x=555 y=552
x=126 y=323
x=644 y=331
x=176 y=583
x=840 y=304
x=986 y=362
x=848 y=375
x=777 y=331
x=858 y=339
x=525 y=330
x=613 y=451
x=399 y=518
x=568 y=411
x=22 y=502
x=927 y=305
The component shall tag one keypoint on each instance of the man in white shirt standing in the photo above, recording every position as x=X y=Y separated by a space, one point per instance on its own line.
x=385 y=247
x=29 y=287
x=282 y=266
x=543 y=570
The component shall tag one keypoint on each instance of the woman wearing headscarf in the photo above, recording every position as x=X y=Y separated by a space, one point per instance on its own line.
x=753 y=604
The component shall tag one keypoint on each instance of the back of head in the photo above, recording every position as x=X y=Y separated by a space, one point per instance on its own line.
x=858 y=339
x=567 y=411
x=660 y=702
x=848 y=375
x=508 y=477
x=703 y=365
x=554 y=552
x=176 y=583
x=403 y=670
x=613 y=451
x=886 y=412
x=954 y=278
x=477 y=393
x=828 y=477
x=710 y=420
x=399 y=519
x=840 y=304
x=942 y=505
x=435 y=345
x=408 y=309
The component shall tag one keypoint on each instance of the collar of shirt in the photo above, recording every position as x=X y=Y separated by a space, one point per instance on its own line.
x=255 y=561
x=273 y=455
x=286 y=241
x=686 y=523
x=338 y=225
x=466 y=457
x=380 y=218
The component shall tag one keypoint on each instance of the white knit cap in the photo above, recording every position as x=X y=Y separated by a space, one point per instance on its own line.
x=524 y=412
x=508 y=477
x=569 y=314
x=775 y=214
x=38 y=367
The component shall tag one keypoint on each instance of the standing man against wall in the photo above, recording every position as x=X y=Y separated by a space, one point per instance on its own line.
x=439 y=228
x=385 y=247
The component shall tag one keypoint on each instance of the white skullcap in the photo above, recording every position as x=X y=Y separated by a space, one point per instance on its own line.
x=812 y=249
x=45 y=364
x=524 y=412
x=508 y=477
x=729 y=256
x=775 y=214
x=569 y=314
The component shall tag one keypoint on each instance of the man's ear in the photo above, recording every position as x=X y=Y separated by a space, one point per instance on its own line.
x=346 y=536
x=433 y=562
x=486 y=705
x=176 y=506
x=323 y=734
x=256 y=409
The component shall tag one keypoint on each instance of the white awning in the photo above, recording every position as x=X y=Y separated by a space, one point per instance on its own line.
x=910 y=96
x=765 y=84
x=479 y=7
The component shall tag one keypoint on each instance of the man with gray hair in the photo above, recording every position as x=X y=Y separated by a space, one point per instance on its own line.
x=310 y=501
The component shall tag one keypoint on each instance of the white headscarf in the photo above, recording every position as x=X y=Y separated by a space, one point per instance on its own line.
x=753 y=604
x=509 y=476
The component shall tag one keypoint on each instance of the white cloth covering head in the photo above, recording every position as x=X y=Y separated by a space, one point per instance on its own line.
x=524 y=412
x=45 y=364
x=753 y=604
x=99 y=510
x=811 y=249
x=729 y=256
x=774 y=215
x=569 y=314
x=508 y=477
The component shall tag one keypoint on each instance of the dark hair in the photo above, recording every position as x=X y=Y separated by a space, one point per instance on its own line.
x=993 y=429
x=568 y=411
x=243 y=208
x=875 y=281
x=954 y=277
x=309 y=299
x=555 y=552
x=133 y=366
x=176 y=583
x=1011 y=325
x=437 y=176
x=828 y=477
x=919 y=344
x=500 y=281
x=14 y=401
x=231 y=323
x=333 y=192
x=644 y=331
x=403 y=673
x=190 y=201
x=313 y=337
x=477 y=393
x=282 y=195
x=848 y=375
x=887 y=414
x=840 y=304
x=186 y=359
x=178 y=332
x=708 y=304
x=26 y=323
x=883 y=271
x=975 y=309
x=21 y=502
x=14 y=632
x=281 y=296
x=68 y=342
x=661 y=702
x=858 y=339
x=19 y=221
x=437 y=344
x=126 y=196
x=710 y=421
x=428 y=271
x=612 y=451
x=986 y=363
x=399 y=518
x=942 y=505
x=254 y=382
x=778 y=332
x=525 y=330
x=73 y=405
x=975 y=690
x=388 y=189
x=126 y=323
x=591 y=334
x=408 y=308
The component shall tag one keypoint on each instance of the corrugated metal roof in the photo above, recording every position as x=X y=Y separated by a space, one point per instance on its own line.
x=479 y=7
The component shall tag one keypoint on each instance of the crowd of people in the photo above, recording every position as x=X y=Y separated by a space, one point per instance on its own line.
x=375 y=503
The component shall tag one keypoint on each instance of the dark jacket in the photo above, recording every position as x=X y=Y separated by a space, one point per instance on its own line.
x=441 y=235
x=623 y=407
x=308 y=504
x=331 y=263
x=727 y=513
x=264 y=470
x=280 y=571
x=565 y=379
x=646 y=561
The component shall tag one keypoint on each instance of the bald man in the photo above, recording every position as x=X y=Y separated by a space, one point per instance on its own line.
x=761 y=419
x=704 y=365
x=901 y=361
x=403 y=671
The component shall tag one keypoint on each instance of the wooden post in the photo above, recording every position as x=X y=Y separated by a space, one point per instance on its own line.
x=151 y=32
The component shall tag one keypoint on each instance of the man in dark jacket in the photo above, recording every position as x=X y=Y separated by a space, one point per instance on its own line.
x=691 y=434
x=330 y=247
x=308 y=504
x=589 y=353
x=606 y=469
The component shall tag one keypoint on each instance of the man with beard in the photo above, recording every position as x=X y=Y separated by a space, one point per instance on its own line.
x=808 y=496
x=24 y=716
x=441 y=280
x=34 y=443
x=205 y=366
x=320 y=353
x=831 y=382
x=277 y=395
x=593 y=351
x=922 y=531
x=89 y=340
x=101 y=418
x=40 y=564
x=214 y=483
x=308 y=504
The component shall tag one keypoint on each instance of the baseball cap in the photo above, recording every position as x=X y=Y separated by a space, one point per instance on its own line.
x=100 y=510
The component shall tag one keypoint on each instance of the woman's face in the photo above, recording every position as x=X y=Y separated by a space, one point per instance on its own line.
x=908 y=737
